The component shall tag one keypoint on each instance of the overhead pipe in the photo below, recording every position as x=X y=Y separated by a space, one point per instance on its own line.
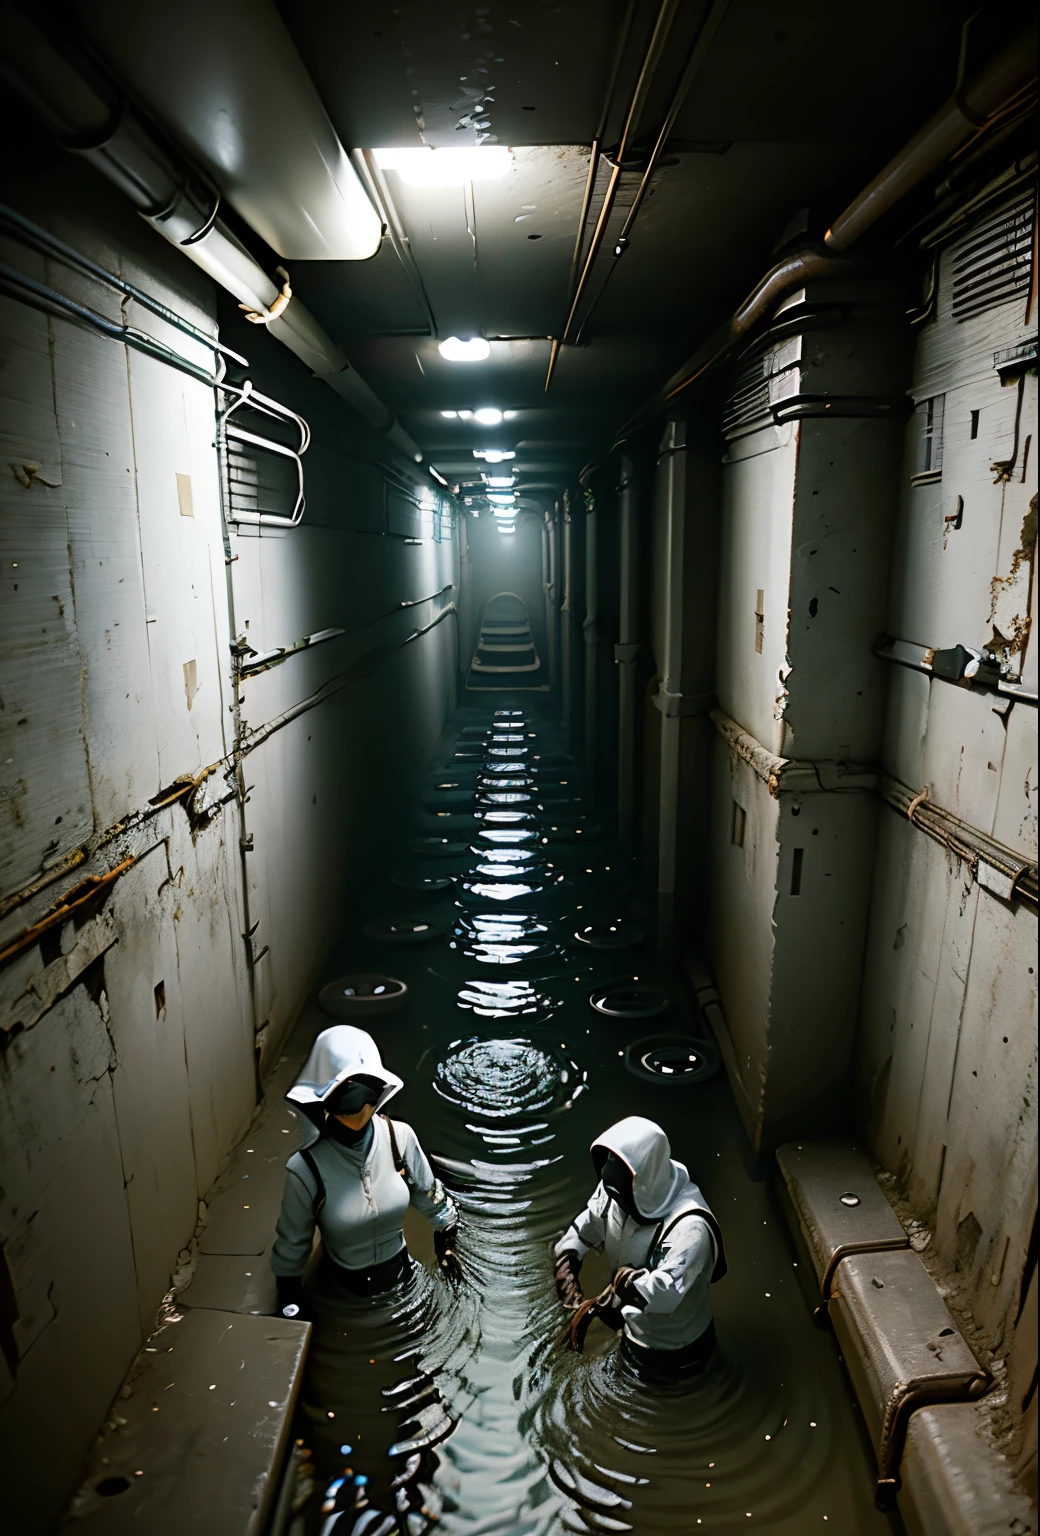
x=110 y=136
x=224 y=78
x=655 y=48
x=973 y=107
x=626 y=651
x=710 y=23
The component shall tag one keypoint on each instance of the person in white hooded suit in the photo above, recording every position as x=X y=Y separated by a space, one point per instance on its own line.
x=354 y=1176
x=664 y=1246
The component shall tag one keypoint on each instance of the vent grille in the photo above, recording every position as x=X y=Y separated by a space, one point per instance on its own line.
x=994 y=263
x=762 y=380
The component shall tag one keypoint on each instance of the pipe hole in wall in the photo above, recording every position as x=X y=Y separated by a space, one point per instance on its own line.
x=796 y=871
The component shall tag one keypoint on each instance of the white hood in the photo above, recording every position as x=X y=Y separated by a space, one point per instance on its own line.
x=339 y=1053
x=657 y=1180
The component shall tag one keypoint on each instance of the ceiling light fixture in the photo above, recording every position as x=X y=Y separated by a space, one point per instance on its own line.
x=471 y=349
x=488 y=416
x=502 y=498
x=437 y=476
x=449 y=414
x=425 y=167
x=499 y=482
x=494 y=455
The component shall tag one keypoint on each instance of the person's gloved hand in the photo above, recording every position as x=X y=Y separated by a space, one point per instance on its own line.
x=624 y=1287
x=447 y=1259
x=565 y=1276
x=291 y=1301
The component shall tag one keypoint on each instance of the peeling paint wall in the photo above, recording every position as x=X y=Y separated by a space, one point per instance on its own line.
x=133 y=1028
x=948 y=1028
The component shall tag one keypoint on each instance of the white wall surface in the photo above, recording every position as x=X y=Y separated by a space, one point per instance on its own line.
x=134 y=1033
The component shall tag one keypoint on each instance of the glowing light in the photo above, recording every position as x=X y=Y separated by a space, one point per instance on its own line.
x=502 y=498
x=488 y=416
x=510 y=415
x=494 y=455
x=498 y=482
x=464 y=415
x=450 y=414
x=457 y=349
x=426 y=167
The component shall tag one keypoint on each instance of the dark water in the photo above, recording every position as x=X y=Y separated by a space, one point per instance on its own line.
x=467 y=1398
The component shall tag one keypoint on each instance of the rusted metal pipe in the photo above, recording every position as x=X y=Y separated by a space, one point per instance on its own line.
x=968 y=112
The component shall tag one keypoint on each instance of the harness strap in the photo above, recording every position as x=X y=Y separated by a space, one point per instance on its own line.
x=308 y=1157
x=400 y=1166
x=666 y=1227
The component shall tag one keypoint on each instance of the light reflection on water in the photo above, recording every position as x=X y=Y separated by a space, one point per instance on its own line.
x=505 y=1429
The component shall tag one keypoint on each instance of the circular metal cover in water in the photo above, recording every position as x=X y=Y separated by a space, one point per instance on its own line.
x=617 y=934
x=672 y=1060
x=357 y=997
x=417 y=929
x=630 y=999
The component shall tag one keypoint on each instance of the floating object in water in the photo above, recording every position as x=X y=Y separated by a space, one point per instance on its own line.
x=630 y=1000
x=354 y=997
x=617 y=934
x=419 y=929
x=672 y=1059
x=419 y=880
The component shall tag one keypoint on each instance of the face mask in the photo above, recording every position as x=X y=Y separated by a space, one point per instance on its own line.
x=351 y=1097
x=618 y=1181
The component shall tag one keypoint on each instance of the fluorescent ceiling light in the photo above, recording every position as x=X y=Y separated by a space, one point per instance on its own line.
x=510 y=415
x=425 y=167
x=499 y=482
x=464 y=415
x=502 y=498
x=494 y=455
x=488 y=416
x=449 y=414
x=473 y=349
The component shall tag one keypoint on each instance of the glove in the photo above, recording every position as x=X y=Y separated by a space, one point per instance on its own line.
x=565 y=1275
x=447 y=1258
x=624 y=1288
x=291 y=1300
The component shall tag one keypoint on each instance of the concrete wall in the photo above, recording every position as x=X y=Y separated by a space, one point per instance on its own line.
x=133 y=1030
x=948 y=1027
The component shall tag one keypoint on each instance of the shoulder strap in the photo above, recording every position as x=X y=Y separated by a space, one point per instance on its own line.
x=667 y=1227
x=400 y=1165
x=307 y=1157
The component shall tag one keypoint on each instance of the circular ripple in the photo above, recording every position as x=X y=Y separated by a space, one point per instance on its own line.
x=616 y=934
x=507 y=1002
x=507 y=1079
x=672 y=1060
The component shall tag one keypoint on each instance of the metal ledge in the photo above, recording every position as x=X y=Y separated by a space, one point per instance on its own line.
x=834 y=1203
x=902 y=1349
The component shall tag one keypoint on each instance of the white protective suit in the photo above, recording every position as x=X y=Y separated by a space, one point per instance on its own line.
x=678 y=1245
x=360 y=1209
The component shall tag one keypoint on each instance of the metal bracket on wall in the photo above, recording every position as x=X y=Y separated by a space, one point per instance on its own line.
x=799 y=407
x=685 y=704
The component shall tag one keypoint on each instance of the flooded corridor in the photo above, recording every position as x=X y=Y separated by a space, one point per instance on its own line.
x=518 y=549
x=513 y=1074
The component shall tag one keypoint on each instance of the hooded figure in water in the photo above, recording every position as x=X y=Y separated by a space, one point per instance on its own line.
x=355 y=1175
x=662 y=1242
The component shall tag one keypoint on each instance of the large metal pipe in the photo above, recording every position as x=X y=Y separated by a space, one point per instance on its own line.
x=225 y=79
x=626 y=652
x=90 y=120
x=670 y=488
x=969 y=111
x=965 y=115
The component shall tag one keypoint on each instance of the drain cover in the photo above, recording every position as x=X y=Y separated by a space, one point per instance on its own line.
x=672 y=1059
x=630 y=1000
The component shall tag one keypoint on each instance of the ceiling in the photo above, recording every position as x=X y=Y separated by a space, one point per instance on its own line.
x=793 y=107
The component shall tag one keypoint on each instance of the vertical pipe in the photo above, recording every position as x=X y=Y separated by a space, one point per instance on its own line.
x=590 y=635
x=566 y=637
x=551 y=625
x=626 y=653
x=671 y=486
